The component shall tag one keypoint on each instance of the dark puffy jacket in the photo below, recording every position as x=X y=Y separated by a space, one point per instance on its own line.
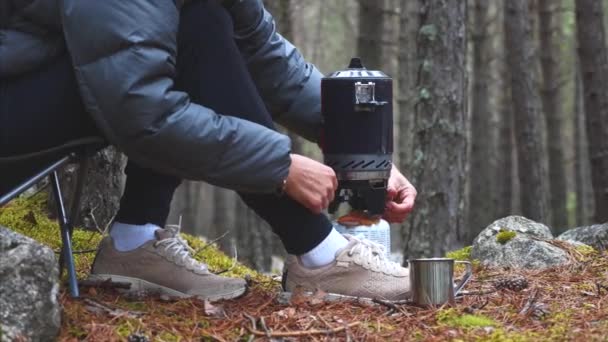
x=123 y=53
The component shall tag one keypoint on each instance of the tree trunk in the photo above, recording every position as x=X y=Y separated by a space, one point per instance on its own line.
x=584 y=190
x=506 y=170
x=371 y=24
x=594 y=66
x=406 y=99
x=551 y=97
x=483 y=186
x=534 y=192
x=408 y=69
x=440 y=146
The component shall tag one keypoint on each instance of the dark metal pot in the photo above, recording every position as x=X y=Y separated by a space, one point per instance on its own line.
x=357 y=139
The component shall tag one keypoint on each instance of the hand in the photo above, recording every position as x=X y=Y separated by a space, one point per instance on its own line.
x=311 y=183
x=400 y=197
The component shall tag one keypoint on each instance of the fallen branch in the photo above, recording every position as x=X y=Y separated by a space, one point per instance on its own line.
x=302 y=332
x=96 y=307
x=388 y=304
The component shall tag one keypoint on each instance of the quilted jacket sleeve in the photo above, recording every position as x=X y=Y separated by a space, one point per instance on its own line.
x=124 y=57
x=290 y=87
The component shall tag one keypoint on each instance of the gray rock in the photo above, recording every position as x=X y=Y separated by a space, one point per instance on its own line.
x=29 y=289
x=528 y=249
x=595 y=236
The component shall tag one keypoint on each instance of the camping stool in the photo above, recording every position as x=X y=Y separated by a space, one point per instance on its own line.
x=76 y=151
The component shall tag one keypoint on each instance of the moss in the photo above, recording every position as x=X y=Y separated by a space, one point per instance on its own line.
x=460 y=254
x=586 y=250
x=168 y=337
x=499 y=335
x=425 y=94
x=28 y=216
x=429 y=32
x=77 y=331
x=452 y=318
x=505 y=236
x=218 y=261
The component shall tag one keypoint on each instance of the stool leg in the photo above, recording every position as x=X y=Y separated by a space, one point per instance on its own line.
x=66 y=237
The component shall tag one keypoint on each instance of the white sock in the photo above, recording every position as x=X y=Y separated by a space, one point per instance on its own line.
x=128 y=237
x=325 y=252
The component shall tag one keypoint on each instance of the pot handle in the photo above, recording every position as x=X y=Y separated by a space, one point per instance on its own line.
x=467 y=276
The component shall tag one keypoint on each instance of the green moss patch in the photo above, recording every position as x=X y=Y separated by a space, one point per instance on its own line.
x=505 y=236
x=450 y=317
x=460 y=254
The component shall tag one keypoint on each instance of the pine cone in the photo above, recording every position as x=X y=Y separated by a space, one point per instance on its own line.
x=516 y=283
x=137 y=338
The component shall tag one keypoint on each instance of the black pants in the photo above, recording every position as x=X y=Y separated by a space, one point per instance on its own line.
x=43 y=109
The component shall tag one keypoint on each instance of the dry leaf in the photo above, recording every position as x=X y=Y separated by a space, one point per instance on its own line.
x=318 y=297
x=298 y=296
x=213 y=310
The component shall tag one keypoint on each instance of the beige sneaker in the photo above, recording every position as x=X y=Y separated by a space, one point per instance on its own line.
x=165 y=266
x=361 y=269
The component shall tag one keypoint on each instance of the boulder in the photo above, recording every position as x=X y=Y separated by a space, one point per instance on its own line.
x=517 y=242
x=595 y=236
x=29 y=309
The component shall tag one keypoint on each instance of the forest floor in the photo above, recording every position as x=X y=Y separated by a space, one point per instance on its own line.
x=568 y=303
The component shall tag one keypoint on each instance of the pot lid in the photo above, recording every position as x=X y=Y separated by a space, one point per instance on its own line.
x=357 y=70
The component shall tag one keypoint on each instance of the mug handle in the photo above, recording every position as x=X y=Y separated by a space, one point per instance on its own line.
x=467 y=276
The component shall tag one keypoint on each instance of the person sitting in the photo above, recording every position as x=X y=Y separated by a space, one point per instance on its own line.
x=187 y=90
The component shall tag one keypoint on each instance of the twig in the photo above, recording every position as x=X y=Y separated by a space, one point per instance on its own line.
x=234 y=262
x=303 y=332
x=320 y=318
x=480 y=292
x=210 y=243
x=529 y=304
x=600 y=287
x=96 y=307
x=252 y=319
x=94 y=219
x=385 y=303
x=263 y=324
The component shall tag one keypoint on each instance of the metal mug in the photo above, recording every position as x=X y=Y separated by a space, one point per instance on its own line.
x=431 y=280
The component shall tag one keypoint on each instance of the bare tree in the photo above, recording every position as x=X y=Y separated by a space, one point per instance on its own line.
x=439 y=145
x=594 y=67
x=527 y=112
